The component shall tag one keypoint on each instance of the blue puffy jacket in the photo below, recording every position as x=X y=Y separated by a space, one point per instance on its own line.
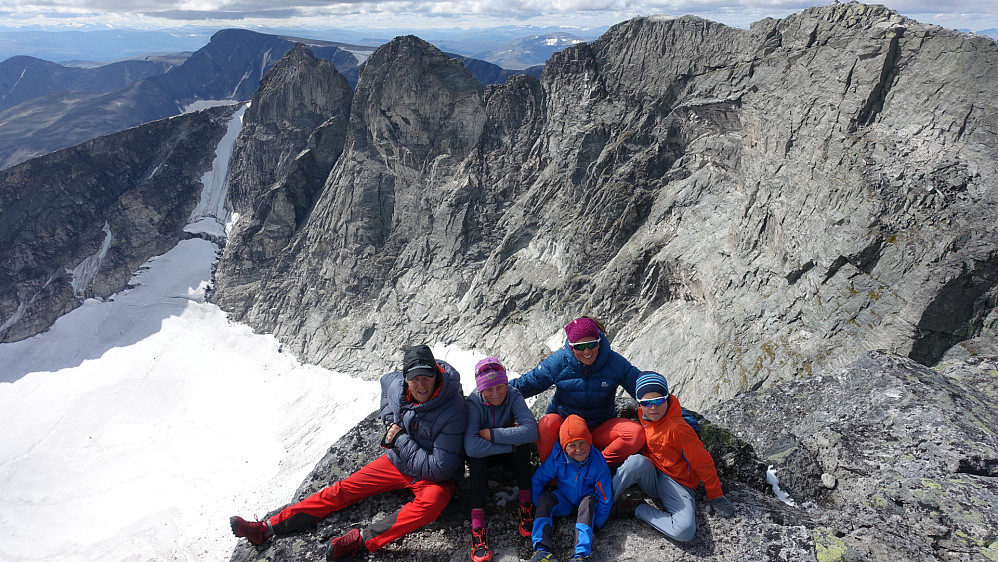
x=511 y=424
x=575 y=481
x=588 y=392
x=432 y=447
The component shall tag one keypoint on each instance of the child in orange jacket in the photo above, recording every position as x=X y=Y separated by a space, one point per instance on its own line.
x=671 y=465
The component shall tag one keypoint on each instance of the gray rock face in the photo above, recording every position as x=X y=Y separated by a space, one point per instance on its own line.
x=415 y=114
x=891 y=459
x=292 y=134
x=885 y=459
x=298 y=95
x=740 y=207
x=79 y=222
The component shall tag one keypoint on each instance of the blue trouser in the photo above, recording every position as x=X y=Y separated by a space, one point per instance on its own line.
x=550 y=505
x=678 y=520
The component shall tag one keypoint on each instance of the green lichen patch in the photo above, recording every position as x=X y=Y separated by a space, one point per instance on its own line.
x=827 y=546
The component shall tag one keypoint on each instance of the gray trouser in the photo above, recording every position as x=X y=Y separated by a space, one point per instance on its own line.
x=679 y=518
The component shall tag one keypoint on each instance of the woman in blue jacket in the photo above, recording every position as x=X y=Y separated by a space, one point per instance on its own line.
x=500 y=429
x=586 y=374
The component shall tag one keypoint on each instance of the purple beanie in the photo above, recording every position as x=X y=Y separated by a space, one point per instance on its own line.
x=581 y=328
x=489 y=372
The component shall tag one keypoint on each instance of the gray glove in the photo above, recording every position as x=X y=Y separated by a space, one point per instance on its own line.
x=722 y=507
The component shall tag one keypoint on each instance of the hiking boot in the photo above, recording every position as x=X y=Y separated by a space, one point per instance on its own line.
x=480 y=551
x=579 y=558
x=625 y=507
x=347 y=545
x=256 y=532
x=543 y=556
x=526 y=519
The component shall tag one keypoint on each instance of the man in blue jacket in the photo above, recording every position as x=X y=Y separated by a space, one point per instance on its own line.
x=423 y=409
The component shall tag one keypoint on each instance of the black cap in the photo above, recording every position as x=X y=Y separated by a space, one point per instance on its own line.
x=418 y=361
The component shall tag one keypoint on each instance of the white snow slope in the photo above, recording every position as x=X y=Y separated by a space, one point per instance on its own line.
x=135 y=426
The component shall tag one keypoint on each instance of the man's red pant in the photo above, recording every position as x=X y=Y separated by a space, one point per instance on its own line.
x=616 y=438
x=377 y=477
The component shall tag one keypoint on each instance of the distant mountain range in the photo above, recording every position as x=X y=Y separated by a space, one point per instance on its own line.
x=46 y=106
x=530 y=51
x=75 y=46
x=25 y=78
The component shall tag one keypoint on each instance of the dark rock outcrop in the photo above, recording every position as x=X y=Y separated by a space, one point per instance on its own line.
x=741 y=206
x=292 y=134
x=79 y=222
x=298 y=95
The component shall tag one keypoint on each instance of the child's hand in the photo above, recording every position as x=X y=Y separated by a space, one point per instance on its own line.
x=722 y=506
x=485 y=434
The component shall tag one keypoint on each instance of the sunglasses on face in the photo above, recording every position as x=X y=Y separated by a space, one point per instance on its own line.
x=584 y=345
x=653 y=401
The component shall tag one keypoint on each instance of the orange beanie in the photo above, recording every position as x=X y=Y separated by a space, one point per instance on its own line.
x=573 y=429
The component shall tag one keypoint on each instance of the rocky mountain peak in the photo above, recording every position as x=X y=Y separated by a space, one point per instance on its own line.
x=297 y=95
x=768 y=201
x=883 y=459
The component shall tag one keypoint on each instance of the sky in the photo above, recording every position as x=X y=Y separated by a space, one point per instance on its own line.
x=439 y=15
x=137 y=425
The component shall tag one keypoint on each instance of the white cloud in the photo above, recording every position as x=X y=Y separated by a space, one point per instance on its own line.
x=425 y=14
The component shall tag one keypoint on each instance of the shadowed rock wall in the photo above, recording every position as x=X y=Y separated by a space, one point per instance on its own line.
x=79 y=222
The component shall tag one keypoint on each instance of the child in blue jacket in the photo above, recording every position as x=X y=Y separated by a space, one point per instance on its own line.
x=500 y=430
x=583 y=482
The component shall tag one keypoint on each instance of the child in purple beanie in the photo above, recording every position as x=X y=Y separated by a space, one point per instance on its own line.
x=500 y=430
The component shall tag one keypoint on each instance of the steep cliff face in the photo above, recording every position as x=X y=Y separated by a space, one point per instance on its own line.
x=79 y=222
x=389 y=204
x=298 y=95
x=293 y=133
x=740 y=207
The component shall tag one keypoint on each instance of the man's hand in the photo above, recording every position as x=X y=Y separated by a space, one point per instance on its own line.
x=392 y=431
x=485 y=434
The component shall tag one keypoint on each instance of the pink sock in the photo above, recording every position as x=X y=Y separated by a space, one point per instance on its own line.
x=477 y=518
x=524 y=496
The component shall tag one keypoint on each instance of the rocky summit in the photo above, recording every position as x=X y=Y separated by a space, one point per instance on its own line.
x=883 y=459
x=793 y=222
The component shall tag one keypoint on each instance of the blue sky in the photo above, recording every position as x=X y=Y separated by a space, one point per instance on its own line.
x=425 y=14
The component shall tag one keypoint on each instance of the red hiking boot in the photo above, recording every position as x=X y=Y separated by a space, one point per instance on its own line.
x=526 y=519
x=346 y=545
x=256 y=532
x=480 y=551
